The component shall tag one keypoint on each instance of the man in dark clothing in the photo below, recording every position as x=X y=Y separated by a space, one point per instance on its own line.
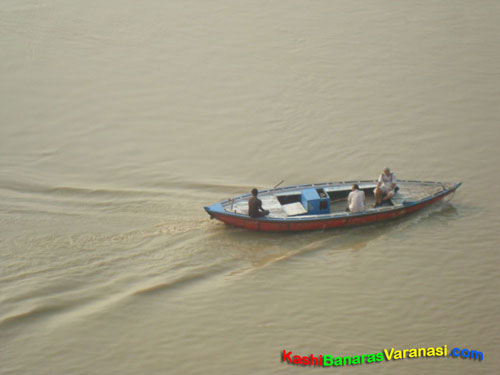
x=255 y=206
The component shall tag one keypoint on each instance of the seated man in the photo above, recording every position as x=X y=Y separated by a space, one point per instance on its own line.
x=356 y=199
x=255 y=206
x=386 y=187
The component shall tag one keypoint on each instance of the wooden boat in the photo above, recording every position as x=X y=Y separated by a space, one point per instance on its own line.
x=322 y=206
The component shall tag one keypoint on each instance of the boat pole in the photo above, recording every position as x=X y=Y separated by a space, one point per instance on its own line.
x=278 y=184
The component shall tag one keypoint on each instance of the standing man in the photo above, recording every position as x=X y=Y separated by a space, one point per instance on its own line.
x=356 y=199
x=255 y=206
x=386 y=186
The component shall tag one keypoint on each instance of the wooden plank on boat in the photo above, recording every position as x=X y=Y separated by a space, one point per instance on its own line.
x=294 y=209
x=337 y=188
x=285 y=193
x=270 y=202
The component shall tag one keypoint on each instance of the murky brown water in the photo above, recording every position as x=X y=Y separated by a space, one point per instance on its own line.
x=120 y=120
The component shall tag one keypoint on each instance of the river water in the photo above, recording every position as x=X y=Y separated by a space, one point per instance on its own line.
x=120 y=120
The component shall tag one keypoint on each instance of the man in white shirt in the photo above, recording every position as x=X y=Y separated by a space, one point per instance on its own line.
x=356 y=199
x=386 y=186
